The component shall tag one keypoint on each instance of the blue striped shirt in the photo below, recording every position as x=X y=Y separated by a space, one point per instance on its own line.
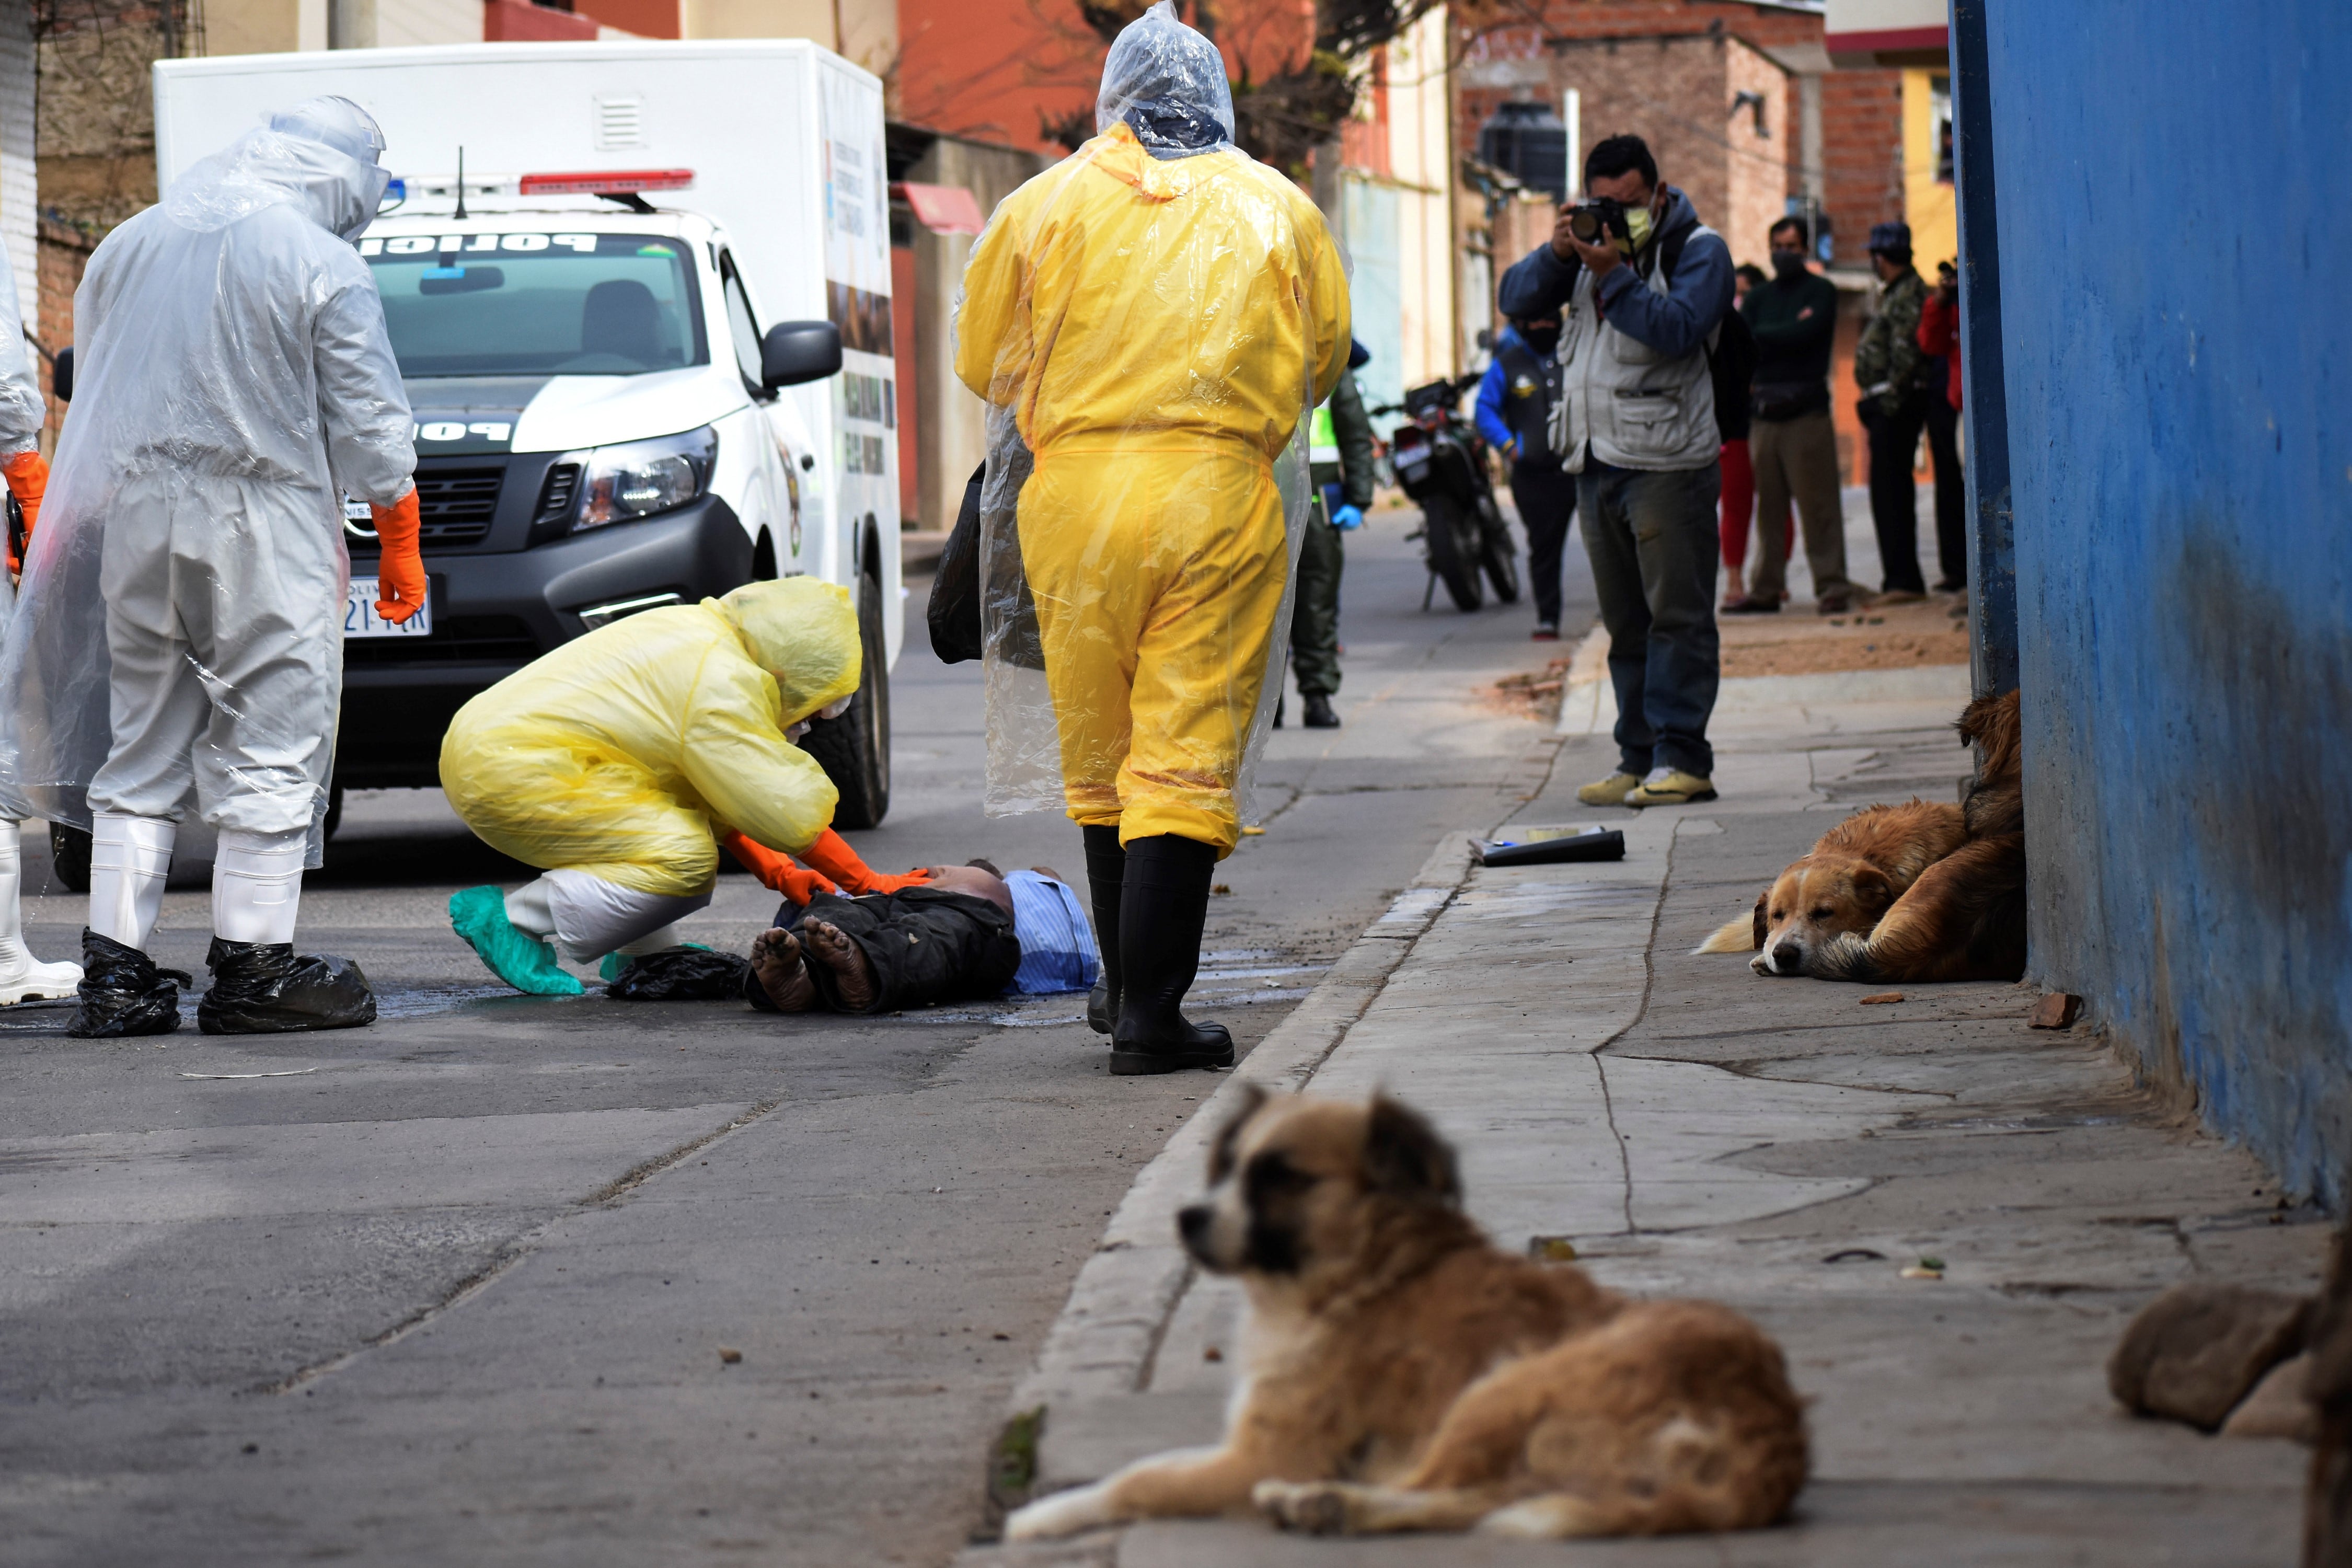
x=1057 y=945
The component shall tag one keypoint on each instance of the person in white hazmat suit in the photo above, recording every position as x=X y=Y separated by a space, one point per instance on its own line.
x=180 y=634
x=23 y=977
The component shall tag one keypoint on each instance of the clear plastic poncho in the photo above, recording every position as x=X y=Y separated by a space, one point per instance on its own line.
x=21 y=408
x=1150 y=321
x=234 y=376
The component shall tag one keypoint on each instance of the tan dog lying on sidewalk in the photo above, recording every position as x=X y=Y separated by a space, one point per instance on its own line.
x=1403 y=1374
x=1916 y=893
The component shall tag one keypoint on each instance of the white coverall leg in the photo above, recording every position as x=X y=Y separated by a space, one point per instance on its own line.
x=586 y=917
x=223 y=623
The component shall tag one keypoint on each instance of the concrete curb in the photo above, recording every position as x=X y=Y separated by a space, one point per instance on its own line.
x=1103 y=1342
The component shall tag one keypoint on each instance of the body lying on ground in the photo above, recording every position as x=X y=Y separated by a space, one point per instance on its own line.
x=965 y=934
x=1401 y=1373
x=1916 y=893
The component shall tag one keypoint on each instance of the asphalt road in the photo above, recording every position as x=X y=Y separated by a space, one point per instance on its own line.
x=455 y=1287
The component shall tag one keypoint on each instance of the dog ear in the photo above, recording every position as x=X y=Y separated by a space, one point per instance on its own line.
x=1872 y=890
x=1763 y=926
x=1405 y=1158
x=1221 y=1152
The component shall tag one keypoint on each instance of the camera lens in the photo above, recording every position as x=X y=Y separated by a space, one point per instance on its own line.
x=1585 y=225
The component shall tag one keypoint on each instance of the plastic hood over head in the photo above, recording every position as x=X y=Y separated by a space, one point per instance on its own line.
x=804 y=633
x=321 y=156
x=1168 y=83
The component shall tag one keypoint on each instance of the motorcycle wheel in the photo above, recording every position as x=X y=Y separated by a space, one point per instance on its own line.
x=1501 y=561
x=1454 y=550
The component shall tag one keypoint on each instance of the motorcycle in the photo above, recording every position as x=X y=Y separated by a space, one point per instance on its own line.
x=1441 y=463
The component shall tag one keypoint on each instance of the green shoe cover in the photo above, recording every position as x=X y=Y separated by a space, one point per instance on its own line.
x=521 y=959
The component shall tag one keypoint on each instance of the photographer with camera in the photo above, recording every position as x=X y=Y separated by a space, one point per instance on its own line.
x=1642 y=289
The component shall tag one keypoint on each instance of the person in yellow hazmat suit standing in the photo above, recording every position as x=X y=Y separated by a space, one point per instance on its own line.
x=617 y=764
x=1151 y=320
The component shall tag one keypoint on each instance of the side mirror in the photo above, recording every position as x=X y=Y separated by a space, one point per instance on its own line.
x=61 y=374
x=797 y=352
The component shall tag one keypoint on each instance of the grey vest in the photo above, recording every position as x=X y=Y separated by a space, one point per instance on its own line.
x=1622 y=400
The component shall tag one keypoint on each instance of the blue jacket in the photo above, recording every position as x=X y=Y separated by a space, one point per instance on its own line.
x=1525 y=418
x=1492 y=425
x=1673 y=323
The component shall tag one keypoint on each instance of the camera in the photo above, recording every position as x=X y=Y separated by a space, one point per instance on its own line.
x=1589 y=220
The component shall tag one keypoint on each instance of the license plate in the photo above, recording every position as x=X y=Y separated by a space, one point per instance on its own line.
x=359 y=619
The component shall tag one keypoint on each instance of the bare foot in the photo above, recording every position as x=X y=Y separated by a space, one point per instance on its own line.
x=776 y=962
x=853 y=973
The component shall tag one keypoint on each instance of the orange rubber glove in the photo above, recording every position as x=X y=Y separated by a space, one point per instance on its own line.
x=29 y=481
x=832 y=855
x=400 y=574
x=777 y=870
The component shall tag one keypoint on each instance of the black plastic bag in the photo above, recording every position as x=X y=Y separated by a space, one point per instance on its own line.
x=954 y=608
x=681 y=975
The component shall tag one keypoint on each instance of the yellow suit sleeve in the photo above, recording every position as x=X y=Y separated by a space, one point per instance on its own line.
x=992 y=350
x=736 y=757
x=1327 y=306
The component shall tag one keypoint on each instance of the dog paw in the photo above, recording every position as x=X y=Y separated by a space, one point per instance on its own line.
x=1064 y=1513
x=1318 y=1508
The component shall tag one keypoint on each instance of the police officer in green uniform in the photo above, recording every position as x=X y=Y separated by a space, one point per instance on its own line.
x=1339 y=454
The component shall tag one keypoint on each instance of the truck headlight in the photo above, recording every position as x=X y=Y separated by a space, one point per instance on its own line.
x=641 y=478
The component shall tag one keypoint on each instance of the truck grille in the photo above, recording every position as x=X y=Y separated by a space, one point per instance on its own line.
x=455 y=505
x=461 y=639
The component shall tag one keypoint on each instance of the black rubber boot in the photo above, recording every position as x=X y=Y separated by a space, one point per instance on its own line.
x=1319 y=714
x=1164 y=906
x=122 y=992
x=266 y=988
x=1106 y=877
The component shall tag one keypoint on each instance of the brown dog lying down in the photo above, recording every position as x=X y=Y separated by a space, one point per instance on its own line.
x=1916 y=892
x=1403 y=1374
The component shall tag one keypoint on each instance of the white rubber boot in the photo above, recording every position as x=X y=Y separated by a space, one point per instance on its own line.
x=258 y=884
x=23 y=977
x=129 y=860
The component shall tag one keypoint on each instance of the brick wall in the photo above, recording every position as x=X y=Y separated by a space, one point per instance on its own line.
x=64 y=252
x=1861 y=109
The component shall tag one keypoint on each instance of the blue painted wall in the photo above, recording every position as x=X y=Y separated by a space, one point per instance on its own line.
x=2175 y=192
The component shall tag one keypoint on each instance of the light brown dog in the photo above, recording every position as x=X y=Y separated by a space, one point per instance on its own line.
x=1403 y=1374
x=1916 y=893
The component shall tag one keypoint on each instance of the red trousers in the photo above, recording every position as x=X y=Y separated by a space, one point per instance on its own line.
x=1740 y=504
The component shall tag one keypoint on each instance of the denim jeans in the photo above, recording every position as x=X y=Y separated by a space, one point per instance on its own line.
x=1652 y=538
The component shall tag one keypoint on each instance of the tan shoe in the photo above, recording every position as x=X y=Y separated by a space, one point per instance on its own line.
x=1611 y=791
x=1677 y=788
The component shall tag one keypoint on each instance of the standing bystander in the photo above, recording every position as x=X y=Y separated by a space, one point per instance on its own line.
x=1897 y=383
x=1515 y=404
x=1641 y=302
x=1939 y=338
x=1793 y=318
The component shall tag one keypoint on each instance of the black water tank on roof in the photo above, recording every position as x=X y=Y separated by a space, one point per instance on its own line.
x=1528 y=142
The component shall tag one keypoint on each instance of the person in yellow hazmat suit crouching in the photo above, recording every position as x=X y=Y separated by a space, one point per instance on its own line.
x=1151 y=320
x=617 y=763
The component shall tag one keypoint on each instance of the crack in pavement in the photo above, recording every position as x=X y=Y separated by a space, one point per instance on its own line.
x=513 y=1252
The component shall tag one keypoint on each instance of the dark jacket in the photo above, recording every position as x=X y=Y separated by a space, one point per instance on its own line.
x=1792 y=348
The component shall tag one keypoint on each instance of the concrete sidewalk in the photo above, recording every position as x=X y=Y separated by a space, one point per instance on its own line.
x=1697 y=1131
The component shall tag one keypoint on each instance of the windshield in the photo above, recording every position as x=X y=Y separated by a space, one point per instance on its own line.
x=538 y=303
